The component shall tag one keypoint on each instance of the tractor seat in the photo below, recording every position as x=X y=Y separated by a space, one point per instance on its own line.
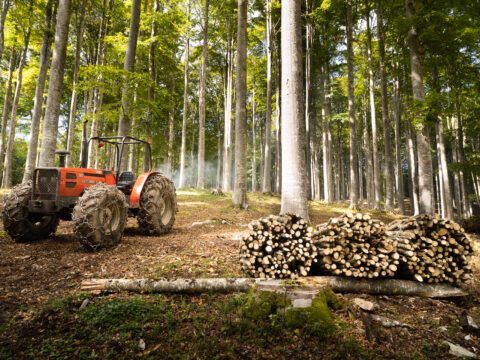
x=126 y=178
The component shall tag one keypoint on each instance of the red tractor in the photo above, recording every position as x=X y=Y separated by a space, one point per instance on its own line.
x=98 y=201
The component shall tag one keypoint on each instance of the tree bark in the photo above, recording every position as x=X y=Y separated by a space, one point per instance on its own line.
x=328 y=183
x=3 y=16
x=308 y=135
x=240 y=185
x=125 y=113
x=278 y=141
x=369 y=165
x=228 y=128
x=6 y=107
x=7 y=176
x=254 y=134
x=294 y=171
x=376 y=163
x=267 y=166
x=398 y=147
x=425 y=168
x=218 y=183
x=171 y=126
x=183 y=151
x=201 y=105
x=337 y=284
x=52 y=110
x=73 y=102
x=389 y=184
x=40 y=87
x=351 y=110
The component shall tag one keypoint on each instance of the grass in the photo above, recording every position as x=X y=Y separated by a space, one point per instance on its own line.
x=183 y=327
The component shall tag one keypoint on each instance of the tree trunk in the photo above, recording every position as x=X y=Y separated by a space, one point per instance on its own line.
x=254 y=134
x=336 y=284
x=218 y=183
x=351 y=110
x=7 y=176
x=40 y=87
x=425 y=168
x=267 y=165
x=398 y=146
x=6 y=107
x=126 y=111
x=376 y=163
x=240 y=185
x=3 y=16
x=294 y=167
x=171 y=124
x=328 y=183
x=181 y=180
x=201 y=105
x=308 y=153
x=389 y=184
x=73 y=102
x=368 y=164
x=228 y=129
x=278 y=141
x=52 y=109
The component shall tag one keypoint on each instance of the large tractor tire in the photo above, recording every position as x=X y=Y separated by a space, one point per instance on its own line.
x=99 y=217
x=158 y=205
x=21 y=225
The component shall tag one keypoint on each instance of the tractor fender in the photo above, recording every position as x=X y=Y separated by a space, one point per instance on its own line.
x=138 y=187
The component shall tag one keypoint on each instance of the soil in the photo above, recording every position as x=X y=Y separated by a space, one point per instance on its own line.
x=204 y=243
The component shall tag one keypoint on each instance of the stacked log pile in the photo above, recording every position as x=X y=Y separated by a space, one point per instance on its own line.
x=355 y=245
x=278 y=247
x=431 y=249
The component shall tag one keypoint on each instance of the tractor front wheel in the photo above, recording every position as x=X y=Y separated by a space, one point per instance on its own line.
x=100 y=216
x=158 y=205
x=21 y=225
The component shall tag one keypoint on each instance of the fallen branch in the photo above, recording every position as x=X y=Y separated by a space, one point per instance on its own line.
x=337 y=284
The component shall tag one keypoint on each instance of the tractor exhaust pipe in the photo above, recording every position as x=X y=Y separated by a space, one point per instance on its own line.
x=84 y=149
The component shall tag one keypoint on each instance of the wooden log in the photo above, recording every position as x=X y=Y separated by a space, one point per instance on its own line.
x=226 y=285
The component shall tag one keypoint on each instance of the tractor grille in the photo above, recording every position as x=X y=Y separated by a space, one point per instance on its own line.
x=46 y=184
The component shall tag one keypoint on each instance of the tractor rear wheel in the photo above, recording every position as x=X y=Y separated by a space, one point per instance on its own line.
x=158 y=205
x=21 y=225
x=100 y=216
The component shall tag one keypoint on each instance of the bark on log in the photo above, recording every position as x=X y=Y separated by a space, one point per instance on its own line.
x=227 y=285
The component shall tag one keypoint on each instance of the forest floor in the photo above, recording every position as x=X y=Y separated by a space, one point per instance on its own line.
x=43 y=313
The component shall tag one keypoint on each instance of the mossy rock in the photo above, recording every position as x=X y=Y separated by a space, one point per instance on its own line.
x=262 y=305
x=316 y=319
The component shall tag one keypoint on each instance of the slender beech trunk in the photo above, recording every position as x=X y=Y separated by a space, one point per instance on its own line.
x=228 y=129
x=456 y=177
x=240 y=184
x=183 y=151
x=218 y=182
x=328 y=183
x=294 y=167
x=6 y=107
x=425 y=168
x=376 y=162
x=171 y=126
x=389 y=183
x=52 y=109
x=3 y=16
x=398 y=146
x=254 y=134
x=278 y=141
x=369 y=164
x=446 y=197
x=37 y=112
x=267 y=166
x=201 y=105
x=308 y=41
x=126 y=112
x=97 y=93
x=7 y=176
x=466 y=208
x=351 y=110
x=360 y=163
x=73 y=102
